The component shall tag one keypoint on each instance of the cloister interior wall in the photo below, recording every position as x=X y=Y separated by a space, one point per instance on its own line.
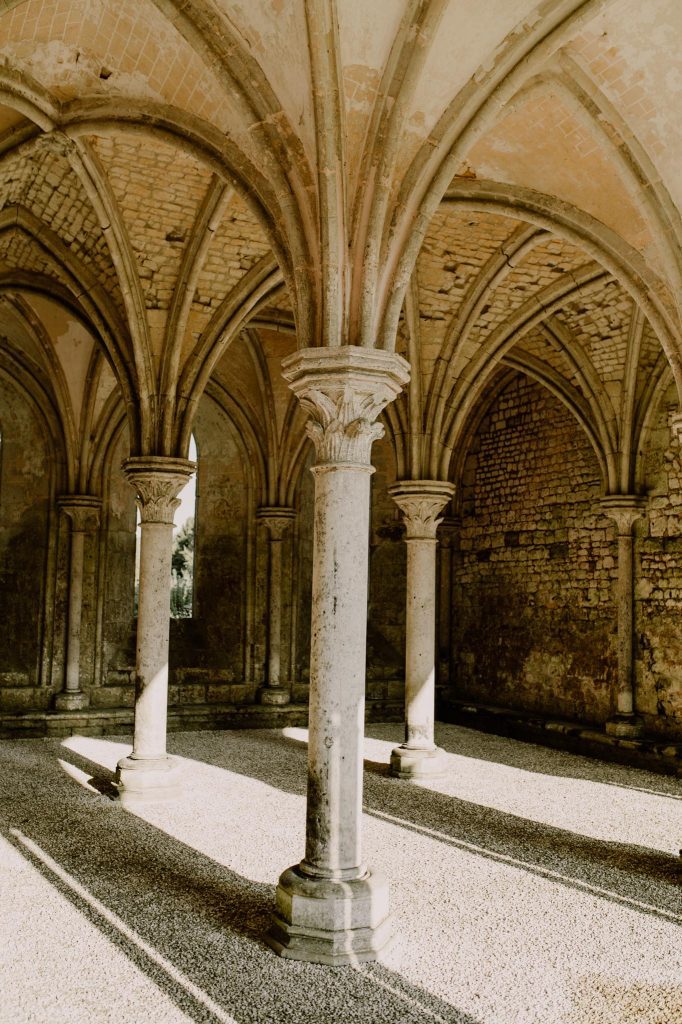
x=534 y=574
x=27 y=534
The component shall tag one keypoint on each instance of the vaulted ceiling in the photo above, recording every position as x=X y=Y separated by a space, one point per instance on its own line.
x=191 y=188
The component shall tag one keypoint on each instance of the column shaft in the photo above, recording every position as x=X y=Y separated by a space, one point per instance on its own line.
x=73 y=642
x=83 y=513
x=420 y=661
x=153 y=615
x=625 y=510
x=275 y=611
x=277 y=520
x=625 y=598
x=337 y=671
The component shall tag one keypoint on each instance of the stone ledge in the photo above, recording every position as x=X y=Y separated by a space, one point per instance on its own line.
x=193 y=717
x=649 y=752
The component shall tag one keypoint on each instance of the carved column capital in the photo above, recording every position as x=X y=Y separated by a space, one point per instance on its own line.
x=276 y=518
x=82 y=509
x=345 y=389
x=624 y=509
x=421 y=501
x=158 y=481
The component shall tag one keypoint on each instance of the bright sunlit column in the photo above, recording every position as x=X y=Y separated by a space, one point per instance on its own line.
x=148 y=772
x=82 y=510
x=330 y=908
x=625 y=510
x=277 y=521
x=420 y=501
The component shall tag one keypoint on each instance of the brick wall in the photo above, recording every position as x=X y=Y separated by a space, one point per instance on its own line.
x=658 y=590
x=533 y=615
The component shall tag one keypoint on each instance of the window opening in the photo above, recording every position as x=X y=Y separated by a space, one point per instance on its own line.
x=182 y=558
x=182 y=564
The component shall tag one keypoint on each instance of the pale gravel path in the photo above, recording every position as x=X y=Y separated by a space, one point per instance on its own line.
x=529 y=887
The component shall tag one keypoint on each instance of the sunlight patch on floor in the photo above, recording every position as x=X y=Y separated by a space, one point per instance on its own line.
x=106 y=753
x=77 y=774
x=588 y=807
x=492 y=917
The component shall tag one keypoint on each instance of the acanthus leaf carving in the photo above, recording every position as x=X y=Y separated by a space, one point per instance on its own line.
x=82 y=510
x=158 y=482
x=422 y=502
x=344 y=390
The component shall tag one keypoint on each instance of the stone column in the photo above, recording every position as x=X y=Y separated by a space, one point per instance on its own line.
x=148 y=772
x=277 y=521
x=420 y=502
x=330 y=908
x=625 y=509
x=83 y=512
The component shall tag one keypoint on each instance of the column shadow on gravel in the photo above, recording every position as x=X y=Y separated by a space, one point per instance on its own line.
x=646 y=880
x=533 y=757
x=190 y=924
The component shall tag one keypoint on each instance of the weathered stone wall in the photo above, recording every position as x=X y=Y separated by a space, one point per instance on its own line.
x=533 y=618
x=207 y=651
x=117 y=687
x=387 y=581
x=658 y=588
x=25 y=497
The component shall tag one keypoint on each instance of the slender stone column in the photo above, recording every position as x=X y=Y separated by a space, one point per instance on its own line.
x=625 y=509
x=420 y=502
x=148 y=772
x=83 y=512
x=277 y=521
x=330 y=908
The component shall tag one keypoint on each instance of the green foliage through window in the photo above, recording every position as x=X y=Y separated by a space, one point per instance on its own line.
x=182 y=571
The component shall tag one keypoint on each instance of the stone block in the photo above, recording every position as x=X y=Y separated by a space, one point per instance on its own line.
x=191 y=694
x=330 y=922
x=112 y=697
x=24 y=699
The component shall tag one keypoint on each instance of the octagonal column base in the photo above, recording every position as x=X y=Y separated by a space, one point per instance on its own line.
x=274 y=695
x=142 y=781
x=324 y=921
x=624 y=726
x=71 y=700
x=414 y=763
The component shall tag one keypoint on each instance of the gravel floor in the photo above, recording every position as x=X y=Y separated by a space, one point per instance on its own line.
x=528 y=886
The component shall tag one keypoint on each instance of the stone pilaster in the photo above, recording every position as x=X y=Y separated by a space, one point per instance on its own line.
x=83 y=511
x=277 y=520
x=330 y=908
x=148 y=772
x=448 y=533
x=625 y=510
x=676 y=426
x=421 y=502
